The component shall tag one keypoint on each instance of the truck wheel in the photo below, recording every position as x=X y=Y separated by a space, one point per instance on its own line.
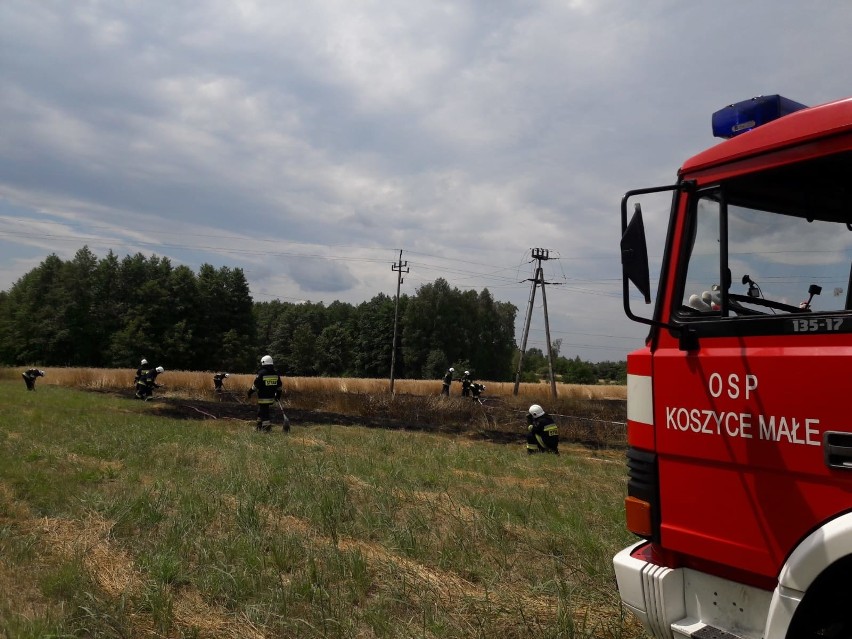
x=824 y=612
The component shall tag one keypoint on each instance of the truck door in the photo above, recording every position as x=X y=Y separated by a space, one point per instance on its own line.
x=753 y=429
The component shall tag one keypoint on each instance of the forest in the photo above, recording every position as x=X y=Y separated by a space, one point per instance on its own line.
x=110 y=312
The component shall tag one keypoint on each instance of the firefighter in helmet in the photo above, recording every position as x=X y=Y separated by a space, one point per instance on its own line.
x=218 y=378
x=448 y=379
x=466 y=381
x=476 y=390
x=30 y=376
x=267 y=384
x=542 y=432
x=143 y=370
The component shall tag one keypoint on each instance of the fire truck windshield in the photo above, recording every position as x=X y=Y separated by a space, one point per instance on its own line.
x=772 y=243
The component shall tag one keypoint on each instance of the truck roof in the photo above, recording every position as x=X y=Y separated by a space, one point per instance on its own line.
x=811 y=123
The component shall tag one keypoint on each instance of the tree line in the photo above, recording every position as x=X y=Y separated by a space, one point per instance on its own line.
x=110 y=312
x=570 y=370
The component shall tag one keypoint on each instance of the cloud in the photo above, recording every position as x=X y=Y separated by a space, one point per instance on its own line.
x=464 y=133
x=321 y=277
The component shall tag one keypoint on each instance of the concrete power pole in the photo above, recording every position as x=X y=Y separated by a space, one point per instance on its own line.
x=540 y=255
x=398 y=267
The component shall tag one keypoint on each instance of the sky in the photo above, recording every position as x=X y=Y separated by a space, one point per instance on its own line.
x=308 y=143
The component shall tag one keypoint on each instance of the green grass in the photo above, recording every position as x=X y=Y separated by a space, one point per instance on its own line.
x=116 y=523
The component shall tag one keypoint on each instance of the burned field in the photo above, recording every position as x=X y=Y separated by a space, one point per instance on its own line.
x=595 y=423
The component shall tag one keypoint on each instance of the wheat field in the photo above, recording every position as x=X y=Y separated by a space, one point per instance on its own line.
x=199 y=384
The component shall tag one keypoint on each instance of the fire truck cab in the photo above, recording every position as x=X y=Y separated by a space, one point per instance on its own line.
x=740 y=441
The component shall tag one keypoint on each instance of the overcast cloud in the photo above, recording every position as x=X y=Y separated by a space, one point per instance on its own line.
x=309 y=142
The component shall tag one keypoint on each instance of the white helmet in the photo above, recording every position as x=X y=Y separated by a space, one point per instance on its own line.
x=536 y=411
x=467 y=372
x=452 y=370
x=160 y=369
x=143 y=362
x=266 y=360
x=226 y=375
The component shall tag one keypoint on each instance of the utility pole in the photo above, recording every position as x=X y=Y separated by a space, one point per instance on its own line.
x=398 y=267
x=540 y=255
x=526 y=331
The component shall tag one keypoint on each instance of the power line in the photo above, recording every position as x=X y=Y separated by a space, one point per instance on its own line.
x=189 y=247
x=128 y=242
x=540 y=330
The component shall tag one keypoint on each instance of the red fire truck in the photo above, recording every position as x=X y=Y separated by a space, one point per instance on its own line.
x=740 y=441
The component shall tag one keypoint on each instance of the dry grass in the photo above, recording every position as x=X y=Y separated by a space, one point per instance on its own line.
x=200 y=383
x=135 y=525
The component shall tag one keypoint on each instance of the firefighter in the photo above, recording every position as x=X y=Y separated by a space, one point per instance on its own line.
x=218 y=378
x=142 y=371
x=448 y=379
x=466 y=381
x=146 y=384
x=543 y=434
x=476 y=390
x=267 y=384
x=30 y=375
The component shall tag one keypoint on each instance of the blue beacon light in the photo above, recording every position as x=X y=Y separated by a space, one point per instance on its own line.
x=744 y=116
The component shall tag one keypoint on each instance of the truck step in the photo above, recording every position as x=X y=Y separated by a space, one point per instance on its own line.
x=709 y=632
x=691 y=628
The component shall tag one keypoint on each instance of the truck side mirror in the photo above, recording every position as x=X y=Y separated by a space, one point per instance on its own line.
x=634 y=254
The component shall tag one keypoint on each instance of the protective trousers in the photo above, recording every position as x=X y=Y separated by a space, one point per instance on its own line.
x=264 y=421
x=143 y=390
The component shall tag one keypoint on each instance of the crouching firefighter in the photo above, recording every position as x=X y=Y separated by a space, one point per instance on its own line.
x=476 y=390
x=267 y=384
x=218 y=378
x=30 y=376
x=543 y=434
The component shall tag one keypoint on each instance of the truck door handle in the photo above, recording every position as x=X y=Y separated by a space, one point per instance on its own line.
x=838 y=450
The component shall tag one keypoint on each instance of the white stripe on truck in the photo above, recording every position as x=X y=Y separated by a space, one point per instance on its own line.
x=640 y=405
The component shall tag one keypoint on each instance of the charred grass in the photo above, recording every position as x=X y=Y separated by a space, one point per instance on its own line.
x=590 y=415
x=116 y=521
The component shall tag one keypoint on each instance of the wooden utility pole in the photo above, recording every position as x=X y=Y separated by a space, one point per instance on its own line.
x=398 y=267
x=540 y=255
x=526 y=331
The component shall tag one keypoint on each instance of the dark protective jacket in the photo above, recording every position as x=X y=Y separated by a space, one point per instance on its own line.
x=267 y=384
x=146 y=384
x=148 y=378
x=217 y=380
x=30 y=376
x=543 y=434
